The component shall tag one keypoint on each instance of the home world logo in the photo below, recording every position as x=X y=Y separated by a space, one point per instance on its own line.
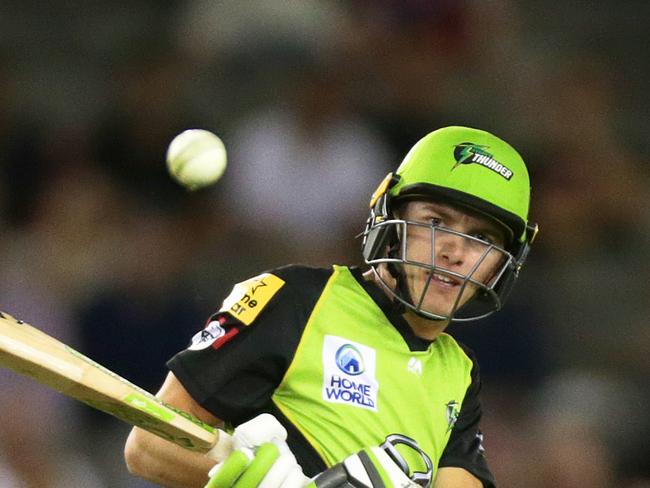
x=349 y=360
x=349 y=373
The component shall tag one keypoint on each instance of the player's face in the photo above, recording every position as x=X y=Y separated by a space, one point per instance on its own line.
x=452 y=255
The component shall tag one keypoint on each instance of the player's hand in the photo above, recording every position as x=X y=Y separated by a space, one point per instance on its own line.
x=258 y=457
x=271 y=465
x=377 y=467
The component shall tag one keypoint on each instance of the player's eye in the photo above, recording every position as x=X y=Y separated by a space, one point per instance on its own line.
x=436 y=221
x=484 y=237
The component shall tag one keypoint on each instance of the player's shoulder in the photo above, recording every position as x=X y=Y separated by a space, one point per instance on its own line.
x=469 y=362
x=305 y=284
x=468 y=351
x=303 y=274
x=303 y=280
x=471 y=355
x=295 y=276
x=285 y=288
x=461 y=349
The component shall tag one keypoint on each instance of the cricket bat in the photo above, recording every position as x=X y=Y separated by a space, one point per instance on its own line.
x=31 y=352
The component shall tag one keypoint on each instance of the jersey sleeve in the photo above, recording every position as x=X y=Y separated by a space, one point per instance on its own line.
x=465 y=447
x=232 y=366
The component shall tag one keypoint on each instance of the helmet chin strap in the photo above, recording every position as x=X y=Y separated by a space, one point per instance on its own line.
x=400 y=283
x=401 y=287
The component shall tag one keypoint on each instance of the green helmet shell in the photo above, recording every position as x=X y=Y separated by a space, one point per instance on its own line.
x=471 y=168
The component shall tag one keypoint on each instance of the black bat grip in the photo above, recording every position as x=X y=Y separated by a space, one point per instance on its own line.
x=335 y=477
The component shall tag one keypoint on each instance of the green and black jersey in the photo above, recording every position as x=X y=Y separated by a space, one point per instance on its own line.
x=326 y=352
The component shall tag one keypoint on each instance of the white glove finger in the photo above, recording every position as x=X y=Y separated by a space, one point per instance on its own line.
x=282 y=446
x=278 y=472
x=286 y=470
x=248 y=452
x=295 y=478
x=215 y=469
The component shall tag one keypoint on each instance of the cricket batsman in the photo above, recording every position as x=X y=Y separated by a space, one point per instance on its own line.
x=343 y=377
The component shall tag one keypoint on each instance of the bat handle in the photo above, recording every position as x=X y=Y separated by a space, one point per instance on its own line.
x=222 y=448
x=263 y=428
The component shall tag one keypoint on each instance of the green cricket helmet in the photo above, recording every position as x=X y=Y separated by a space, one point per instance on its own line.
x=467 y=168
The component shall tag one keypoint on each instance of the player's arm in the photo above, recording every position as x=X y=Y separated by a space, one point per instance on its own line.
x=456 y=478
x=162 y=462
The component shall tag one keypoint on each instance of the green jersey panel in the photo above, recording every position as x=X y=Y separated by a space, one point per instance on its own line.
x=354 y=368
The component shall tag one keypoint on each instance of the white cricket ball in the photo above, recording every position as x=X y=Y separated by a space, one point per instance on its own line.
x=196 y=158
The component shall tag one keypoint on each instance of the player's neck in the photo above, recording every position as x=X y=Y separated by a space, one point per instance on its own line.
x=423 y=328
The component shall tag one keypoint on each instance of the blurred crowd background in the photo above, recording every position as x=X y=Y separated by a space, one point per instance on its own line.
x=316 y=100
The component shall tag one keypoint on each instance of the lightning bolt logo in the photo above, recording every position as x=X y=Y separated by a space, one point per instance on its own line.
x=466 y=150
x=469 y=153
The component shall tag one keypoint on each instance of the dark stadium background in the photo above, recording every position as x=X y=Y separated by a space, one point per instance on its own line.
x=315 y=101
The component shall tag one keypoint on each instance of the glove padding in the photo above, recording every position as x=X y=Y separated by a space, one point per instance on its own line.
x=271 y=465
x=263 y=428
x=377 y=467
x=260 y=458
x=369 y=468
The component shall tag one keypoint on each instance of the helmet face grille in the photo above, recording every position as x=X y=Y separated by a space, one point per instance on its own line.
x=466 y=168
x=478 y=284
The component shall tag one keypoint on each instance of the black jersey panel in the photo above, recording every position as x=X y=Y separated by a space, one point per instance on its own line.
x=465 y=446
x=307 y=457
x=236 y=379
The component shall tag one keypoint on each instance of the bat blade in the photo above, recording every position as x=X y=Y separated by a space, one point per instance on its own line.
x=31 y=352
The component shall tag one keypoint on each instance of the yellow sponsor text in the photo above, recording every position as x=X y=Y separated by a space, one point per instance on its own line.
x=249 y=297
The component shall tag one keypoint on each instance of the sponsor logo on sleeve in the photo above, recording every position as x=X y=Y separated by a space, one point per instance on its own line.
x=349 y=373
x=248 y=298
x=207 y=336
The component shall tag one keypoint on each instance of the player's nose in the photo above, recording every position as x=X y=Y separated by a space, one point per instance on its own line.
x=450 y=248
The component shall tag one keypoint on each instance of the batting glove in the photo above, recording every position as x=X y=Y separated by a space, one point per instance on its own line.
x=377 y=467
x=260 y=458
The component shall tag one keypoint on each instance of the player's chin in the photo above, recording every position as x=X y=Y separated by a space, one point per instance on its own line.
x=441 y=299
x=446 y=303
x=439 y=304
